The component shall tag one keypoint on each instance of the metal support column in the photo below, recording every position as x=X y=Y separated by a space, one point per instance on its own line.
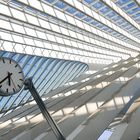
x=30 y=86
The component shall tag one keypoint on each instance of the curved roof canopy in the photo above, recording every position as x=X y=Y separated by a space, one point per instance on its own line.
x=47 y=73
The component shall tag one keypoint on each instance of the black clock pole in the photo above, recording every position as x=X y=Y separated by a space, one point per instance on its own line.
x=30 y=86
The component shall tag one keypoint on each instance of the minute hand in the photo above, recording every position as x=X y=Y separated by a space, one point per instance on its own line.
x=5 y=78
x=9 y=80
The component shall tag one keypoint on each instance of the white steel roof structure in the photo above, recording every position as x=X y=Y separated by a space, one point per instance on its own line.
x=84 y=58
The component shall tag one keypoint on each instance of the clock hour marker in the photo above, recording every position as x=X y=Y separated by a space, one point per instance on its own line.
x=0 y=86
x=16 y=65
x=20 y=72
x=10 y=61
x=7 y=89
x=21 y=79
x=19 y=86
x=3 y=60
x=13 y=89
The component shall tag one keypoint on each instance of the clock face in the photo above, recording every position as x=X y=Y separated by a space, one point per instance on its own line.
x=11 y=77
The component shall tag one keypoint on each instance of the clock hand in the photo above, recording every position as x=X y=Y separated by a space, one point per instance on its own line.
x=9 y=80
x=5 y=78
x=13 y=82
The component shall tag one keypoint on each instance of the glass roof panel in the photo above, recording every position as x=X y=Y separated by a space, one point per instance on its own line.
x=127 y=7
x=50 y=1
x=121 y=2
x=94 y=23
x=105 y=10
x=88 y=19
x=89 y=1
x=79 y=15
x=71 y=10
x=98 y=5
x=136 y=9
x=60 y=4
x=111 y=14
